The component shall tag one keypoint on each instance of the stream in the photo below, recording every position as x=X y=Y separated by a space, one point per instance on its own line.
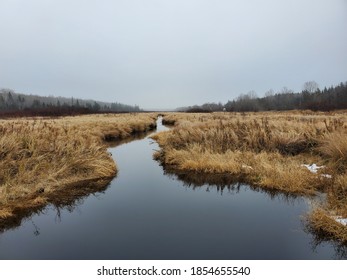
x=149 y=213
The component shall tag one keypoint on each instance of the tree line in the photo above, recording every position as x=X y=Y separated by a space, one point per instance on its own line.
x=310 y=98
x=16 y=104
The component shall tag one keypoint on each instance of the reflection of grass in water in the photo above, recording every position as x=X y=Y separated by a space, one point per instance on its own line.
x=228 y=183
x=322 y=218
x=65 y=198
x=40 y=156
x=324 y=224
x=321 y=237
x=223 y=182
x=134 y=137
x=266 y=150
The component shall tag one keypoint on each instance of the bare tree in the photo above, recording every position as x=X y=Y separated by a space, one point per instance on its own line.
x=285 y=90
x=269 y=93
x=310 y=87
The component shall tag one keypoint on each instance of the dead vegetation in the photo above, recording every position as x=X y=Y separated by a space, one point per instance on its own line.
x=267 y=150
x=40 y=157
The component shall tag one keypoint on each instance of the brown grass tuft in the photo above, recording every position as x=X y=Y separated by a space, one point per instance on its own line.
x=334 y=147
x=324 y=224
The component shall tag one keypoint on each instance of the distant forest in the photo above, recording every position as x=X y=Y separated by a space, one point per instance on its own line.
x=310 y=98
x=16 y=104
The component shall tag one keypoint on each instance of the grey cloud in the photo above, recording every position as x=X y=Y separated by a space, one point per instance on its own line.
x=159 y=53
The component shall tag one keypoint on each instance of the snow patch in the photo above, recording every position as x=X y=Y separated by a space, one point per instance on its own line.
x=314 y=169
x=339 y=219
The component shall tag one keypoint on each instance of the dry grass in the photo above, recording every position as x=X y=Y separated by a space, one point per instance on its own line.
x=265 y=150
x=39 y=156
x=322 y=218
x=322 y=222
x=334 y=148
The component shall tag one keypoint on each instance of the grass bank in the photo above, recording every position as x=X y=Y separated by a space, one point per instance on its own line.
x=272 y=150
x=41 y=158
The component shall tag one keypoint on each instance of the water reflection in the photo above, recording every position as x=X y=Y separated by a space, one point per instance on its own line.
x=321 y=240
x=223 y=182
x=134 y=137
x=68 y=198
x=65 y=199
x=227 y=182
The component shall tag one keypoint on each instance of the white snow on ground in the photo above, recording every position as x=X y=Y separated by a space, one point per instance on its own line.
x=314 y=169
x=342 y=221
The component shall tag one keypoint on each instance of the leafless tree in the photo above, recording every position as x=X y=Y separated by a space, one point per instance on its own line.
x=310 y=87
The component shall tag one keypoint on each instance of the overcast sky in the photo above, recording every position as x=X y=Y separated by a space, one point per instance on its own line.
x=170 y=53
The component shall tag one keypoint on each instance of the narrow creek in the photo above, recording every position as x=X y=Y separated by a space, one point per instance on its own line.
x=146 y=213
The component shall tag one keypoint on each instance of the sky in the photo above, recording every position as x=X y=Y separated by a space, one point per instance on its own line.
x=164 y=54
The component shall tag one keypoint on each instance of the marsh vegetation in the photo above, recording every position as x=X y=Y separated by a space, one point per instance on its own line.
x=147 y=212
x=272 y=150
x=39 y=157
x=248 y=156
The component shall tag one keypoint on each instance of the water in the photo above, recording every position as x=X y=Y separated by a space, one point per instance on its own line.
x=148 y=213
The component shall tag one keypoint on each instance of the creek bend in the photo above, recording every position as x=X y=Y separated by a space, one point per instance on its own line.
x=149 y=213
